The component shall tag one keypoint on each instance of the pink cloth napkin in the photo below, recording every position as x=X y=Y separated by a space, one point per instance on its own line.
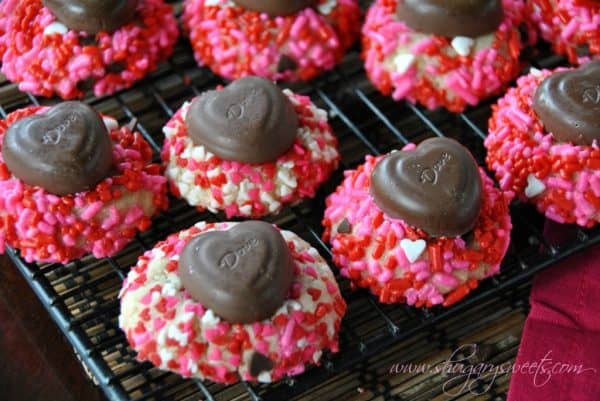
x=559 y=356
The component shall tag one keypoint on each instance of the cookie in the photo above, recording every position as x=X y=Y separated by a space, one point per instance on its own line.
x=543 y=142
x=248 y=149
x=420 y=226
x=66 y=47
x=230 y=302
x=442 y=54
x=73 y=182
x=279 y=40
x=571 y=26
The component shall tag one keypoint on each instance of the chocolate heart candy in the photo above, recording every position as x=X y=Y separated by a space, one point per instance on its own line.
x=275 y=7
x=93 y=16
x=453 y=18
x=243 y=274
x=568 y=103
x=436 y=187
x=249 y=121
x=65 y=150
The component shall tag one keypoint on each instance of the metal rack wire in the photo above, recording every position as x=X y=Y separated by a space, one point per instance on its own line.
x=82 y=296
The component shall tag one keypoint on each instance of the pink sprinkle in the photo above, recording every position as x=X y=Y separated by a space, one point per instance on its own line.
x=158 y=323
x=214 y=354
x=91 y=211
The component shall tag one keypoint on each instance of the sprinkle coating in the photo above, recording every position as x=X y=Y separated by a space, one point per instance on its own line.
x=168 y=328
x=49 y=228
x=235 y=42
x=570 y=25
x=46 y=58
x=562 y=180
x=436 y=70
x=399 y=263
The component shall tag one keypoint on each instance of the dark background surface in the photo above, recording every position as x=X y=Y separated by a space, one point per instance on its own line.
x=36 y=362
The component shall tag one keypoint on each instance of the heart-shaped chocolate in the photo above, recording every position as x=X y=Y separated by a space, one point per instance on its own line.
x=93 y=16
x=436 y=187
x=65 y=150
x=568 y=103
x=451 y=18
x=243 y=274
x=275 y=7
x=249 y=121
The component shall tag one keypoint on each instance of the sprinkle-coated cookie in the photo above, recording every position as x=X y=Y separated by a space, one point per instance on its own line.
x=449 y=54
x=422 y=226
x=543 y=142
x=73 y=182
x=240 y=268
x=572 y=26
x=63 y=48
x=248 y=149
x=283 y=40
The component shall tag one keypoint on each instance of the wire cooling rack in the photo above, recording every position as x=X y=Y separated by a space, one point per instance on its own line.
x=82 y=296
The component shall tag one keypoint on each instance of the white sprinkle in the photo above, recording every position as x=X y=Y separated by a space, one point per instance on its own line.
x=198 y=153
x=462 y=45
x=209 y=318
x=293 y=305
x=534 y=186
x=412 y=249
x=165 y=354
x=169 y=131
x=326 y=7
x=183 y=188
x=288 y=179
x=188 y=177
x=213 y=173
x=535 y=72
x=229 y=188
x=403 y=62
x=264 y=377
x=246 y=209
x=195 y=195
x=169 y=290
x=317 y=356
x=161 y=339
x=284 y=191
x=110 y=123
x=56 y=27
x=176 y=334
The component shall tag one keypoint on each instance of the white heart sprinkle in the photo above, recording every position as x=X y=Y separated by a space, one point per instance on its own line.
x=56 y=27
x=534 y=186
x=462 y=45
x=209 y=318
x=535 y=72
x=403 y=62
x=264 y=377
x=412 y=249
x=327 y=7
